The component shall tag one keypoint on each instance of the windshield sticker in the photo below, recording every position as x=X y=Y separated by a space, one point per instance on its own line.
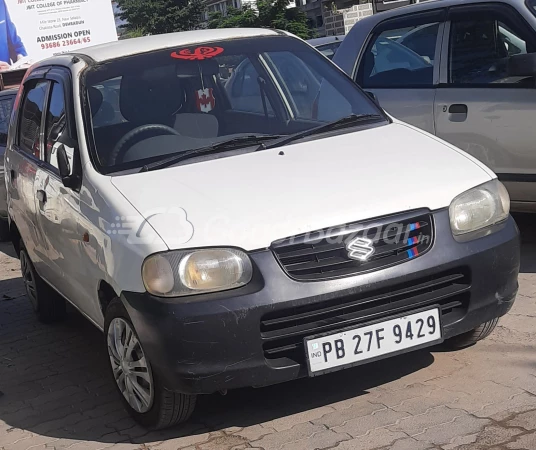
x=204 y=99
x=198 y=54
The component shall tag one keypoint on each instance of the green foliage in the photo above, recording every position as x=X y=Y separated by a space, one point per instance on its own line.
x=269 y=14
x=160 y=16
x=134 y=33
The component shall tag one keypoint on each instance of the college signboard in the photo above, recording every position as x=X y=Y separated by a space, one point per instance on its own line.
x=31 y=30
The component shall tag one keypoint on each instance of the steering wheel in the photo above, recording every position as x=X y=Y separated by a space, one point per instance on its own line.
x=122 y=146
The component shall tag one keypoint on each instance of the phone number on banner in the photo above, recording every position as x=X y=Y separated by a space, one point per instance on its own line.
x=66 y=43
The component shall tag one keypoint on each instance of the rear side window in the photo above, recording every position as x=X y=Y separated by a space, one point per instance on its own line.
x=245 y=93
x=30 y=119
x=109 y=112
x=6 y=105
x=301 y=81
x=328 y=50
x=400 y=57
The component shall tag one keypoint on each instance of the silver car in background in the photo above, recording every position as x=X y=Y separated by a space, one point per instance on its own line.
x=464 y=71
x=327 y=45
x=7 y=98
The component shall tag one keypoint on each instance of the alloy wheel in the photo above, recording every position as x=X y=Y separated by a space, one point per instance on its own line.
x=130 y=367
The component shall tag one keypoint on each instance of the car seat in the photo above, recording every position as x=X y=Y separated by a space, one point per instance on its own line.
x=190 y=120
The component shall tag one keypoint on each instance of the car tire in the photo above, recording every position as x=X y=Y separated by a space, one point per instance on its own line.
x=4 y=230
x=147 y=401
x=48 y=305
x=473 y=336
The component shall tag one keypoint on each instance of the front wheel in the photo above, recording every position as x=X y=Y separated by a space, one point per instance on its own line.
x=142 y=392
x=473 y=336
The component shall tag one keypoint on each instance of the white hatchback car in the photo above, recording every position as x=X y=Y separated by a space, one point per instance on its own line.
x=220 y=242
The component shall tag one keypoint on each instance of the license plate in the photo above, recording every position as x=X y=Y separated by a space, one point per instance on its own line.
x=351 y=347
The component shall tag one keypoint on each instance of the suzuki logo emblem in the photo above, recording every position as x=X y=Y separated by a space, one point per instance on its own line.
x=360 y=248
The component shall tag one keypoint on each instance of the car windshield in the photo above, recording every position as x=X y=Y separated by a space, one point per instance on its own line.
x=150 y=106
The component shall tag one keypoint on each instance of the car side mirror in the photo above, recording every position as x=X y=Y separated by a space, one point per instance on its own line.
x=64 y=166
x=522 y=65
x=372 y=95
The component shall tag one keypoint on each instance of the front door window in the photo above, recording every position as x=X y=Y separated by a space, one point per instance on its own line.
x=401 y=57
x=31 y=116
x=479 y=50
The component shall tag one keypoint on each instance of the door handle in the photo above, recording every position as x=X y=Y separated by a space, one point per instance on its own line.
x=12 y=175
x=41 y=196
x=458 y=113
x=458 y=109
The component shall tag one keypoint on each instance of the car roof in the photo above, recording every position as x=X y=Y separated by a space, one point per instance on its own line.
x=127 y=47
x=431 y=4
x=325 y=40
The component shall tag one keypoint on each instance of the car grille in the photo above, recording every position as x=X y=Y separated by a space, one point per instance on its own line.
x=327 y=253
x=282 y=332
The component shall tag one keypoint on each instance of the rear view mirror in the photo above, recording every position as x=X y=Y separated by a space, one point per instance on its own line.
x=522 y=65
x=64 y=167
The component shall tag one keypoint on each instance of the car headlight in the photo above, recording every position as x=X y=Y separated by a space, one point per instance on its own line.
x=179 y=273
x=478 y=208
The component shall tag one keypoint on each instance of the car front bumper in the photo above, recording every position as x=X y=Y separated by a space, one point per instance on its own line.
x=253 y=336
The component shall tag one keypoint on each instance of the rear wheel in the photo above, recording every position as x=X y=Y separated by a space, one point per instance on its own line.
x=48 y=305
x=142 y=392
x=473 y=336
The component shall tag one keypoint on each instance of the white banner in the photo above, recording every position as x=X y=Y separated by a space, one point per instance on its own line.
x=31 y=30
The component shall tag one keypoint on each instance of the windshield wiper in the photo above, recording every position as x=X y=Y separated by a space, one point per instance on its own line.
x=230 y=144
x=346 y=121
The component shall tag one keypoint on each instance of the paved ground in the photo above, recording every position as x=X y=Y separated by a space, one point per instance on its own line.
x=57 y=392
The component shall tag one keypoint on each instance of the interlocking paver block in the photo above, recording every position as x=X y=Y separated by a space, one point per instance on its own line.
x=193 y=440
x=340 y=417
x=418 y=424
x=380 y=437
x=409 y=444
x=363 y=425
x=305 y=436
x=444 y=433
x=287 y=422
x=525 y=420
x=491 y=435
x=254 y=432
x=525 y=442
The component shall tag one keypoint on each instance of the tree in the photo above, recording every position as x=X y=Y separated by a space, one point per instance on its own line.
x=159 y=16
x=269 y=14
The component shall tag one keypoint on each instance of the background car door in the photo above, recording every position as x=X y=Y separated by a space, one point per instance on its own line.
x=6 y=105
x=479 y=107
x=400 y=65
x=24 y=158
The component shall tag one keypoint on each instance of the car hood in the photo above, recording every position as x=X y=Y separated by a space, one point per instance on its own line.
x=253 y=199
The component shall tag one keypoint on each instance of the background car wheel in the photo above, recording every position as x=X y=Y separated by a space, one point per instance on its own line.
x=142 y=392
x=47 y=303
x=473 y=336
x=4 y=230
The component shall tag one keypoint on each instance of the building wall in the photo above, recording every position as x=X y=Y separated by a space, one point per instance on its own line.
x=223 y=5
x=340 y=21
